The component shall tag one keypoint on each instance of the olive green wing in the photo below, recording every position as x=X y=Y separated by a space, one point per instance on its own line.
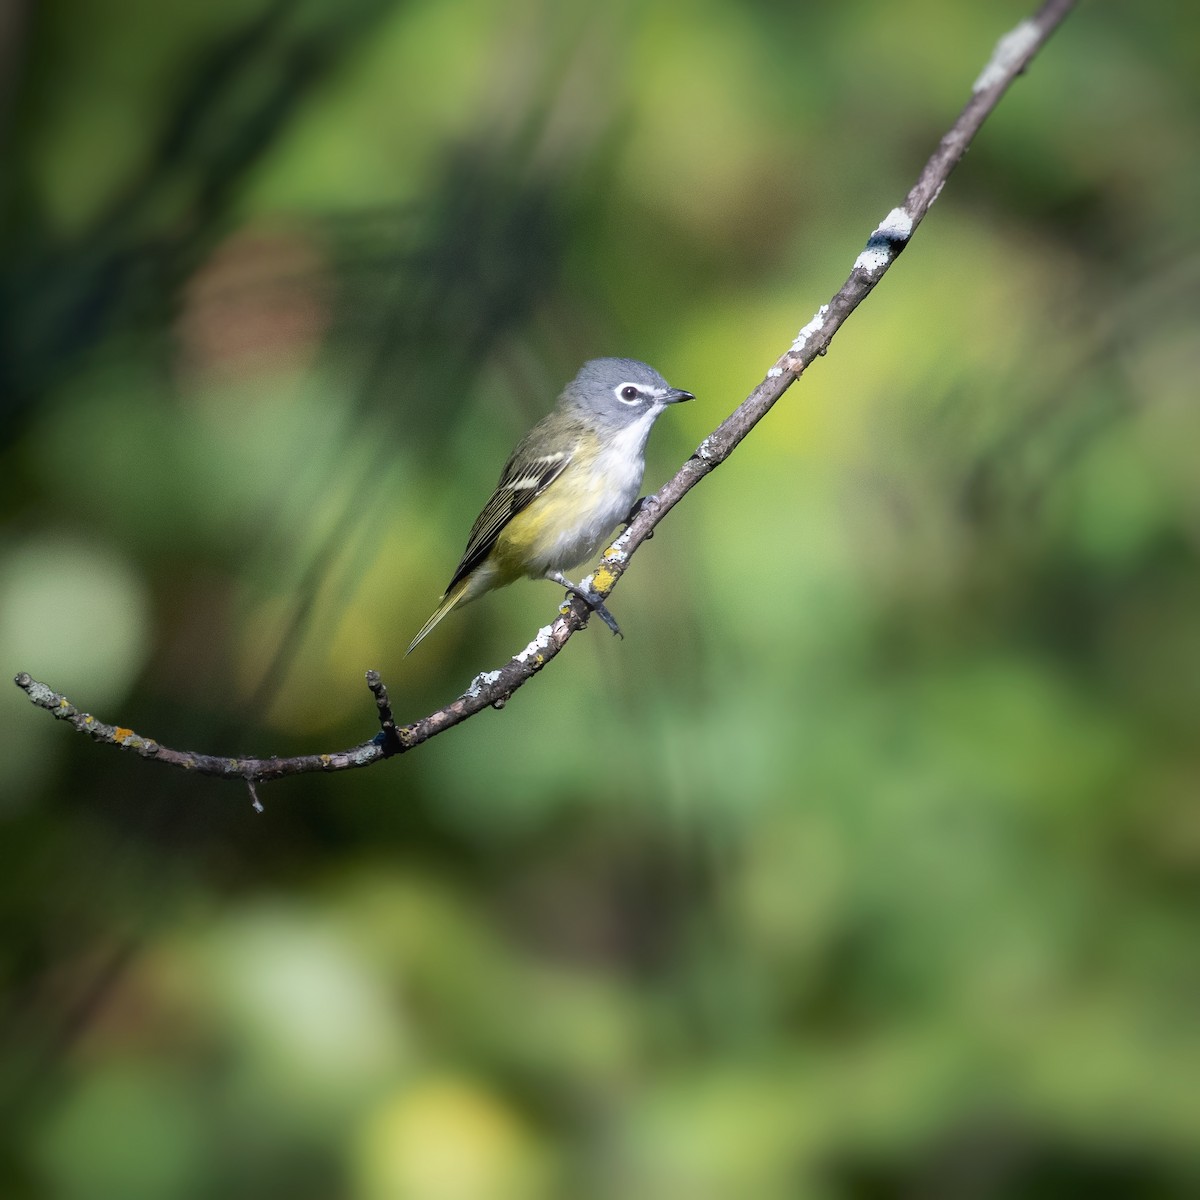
x=524 y=477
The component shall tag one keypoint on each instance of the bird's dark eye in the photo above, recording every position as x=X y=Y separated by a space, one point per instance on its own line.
x=629 y=392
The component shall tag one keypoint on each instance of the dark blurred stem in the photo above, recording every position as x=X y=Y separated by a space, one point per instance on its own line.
x=1012 y=55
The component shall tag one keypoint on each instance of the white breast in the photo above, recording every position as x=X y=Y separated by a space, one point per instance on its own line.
x=607 y=492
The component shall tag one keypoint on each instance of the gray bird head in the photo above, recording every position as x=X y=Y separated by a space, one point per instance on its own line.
x=620 y=391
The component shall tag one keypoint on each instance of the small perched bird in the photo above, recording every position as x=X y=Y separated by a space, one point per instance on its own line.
x=571 y=479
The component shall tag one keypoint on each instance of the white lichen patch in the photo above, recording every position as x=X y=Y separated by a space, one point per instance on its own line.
x=774 y=372
x=1010 y=49
x=482 y=680
x=539 y=644
x=891 y=233
x=873 y=259
x=814 y=326
x=897 y=226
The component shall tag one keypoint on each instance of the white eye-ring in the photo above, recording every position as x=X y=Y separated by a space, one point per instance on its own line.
x=627 y=393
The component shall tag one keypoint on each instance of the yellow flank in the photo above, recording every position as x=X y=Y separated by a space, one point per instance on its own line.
x=543 y=534
x=523 y=537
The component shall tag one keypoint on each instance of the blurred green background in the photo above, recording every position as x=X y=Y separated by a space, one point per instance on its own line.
x=863 y=867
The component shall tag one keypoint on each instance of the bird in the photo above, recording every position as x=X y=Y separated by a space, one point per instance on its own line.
x=567 y=484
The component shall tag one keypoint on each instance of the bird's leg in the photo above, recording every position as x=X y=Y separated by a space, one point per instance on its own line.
x=632 y=515
x=591 y=599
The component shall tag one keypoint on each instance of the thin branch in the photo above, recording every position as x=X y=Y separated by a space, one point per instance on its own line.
x=1012 y=55
x=383 y=745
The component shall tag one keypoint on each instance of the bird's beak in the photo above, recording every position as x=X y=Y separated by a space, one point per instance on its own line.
x=675 y=395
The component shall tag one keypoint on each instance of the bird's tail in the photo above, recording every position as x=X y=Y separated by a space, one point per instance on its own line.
x=451 y=600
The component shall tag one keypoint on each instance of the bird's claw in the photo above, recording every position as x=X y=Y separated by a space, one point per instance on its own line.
x=592 y=599
x=633 y=513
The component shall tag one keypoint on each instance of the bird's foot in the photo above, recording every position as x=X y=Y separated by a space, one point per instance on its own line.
x=591 y=599
x=632 y=514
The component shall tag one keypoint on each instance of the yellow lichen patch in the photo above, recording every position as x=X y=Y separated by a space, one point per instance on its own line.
x=603 y=579
x=121 y=736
